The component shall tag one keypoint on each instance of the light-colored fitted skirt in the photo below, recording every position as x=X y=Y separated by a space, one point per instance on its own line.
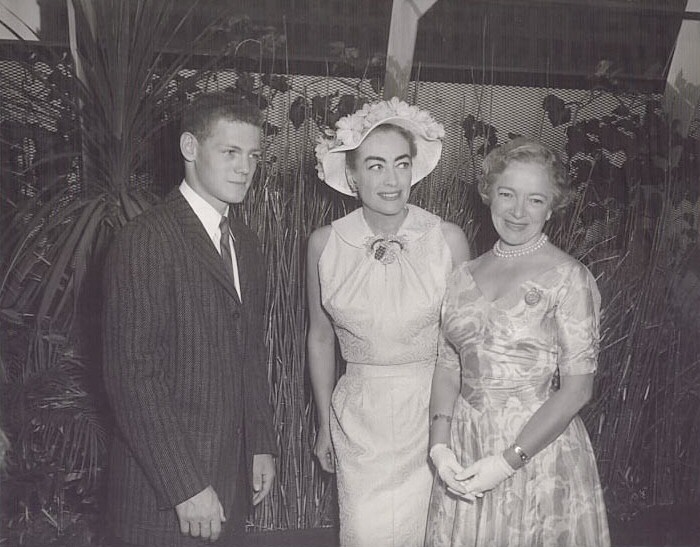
x=379 y=427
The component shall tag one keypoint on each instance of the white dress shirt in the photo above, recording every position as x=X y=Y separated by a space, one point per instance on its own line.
x=210 y=218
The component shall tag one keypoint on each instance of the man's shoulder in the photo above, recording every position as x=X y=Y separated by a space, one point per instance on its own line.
x=159 y=214
x=155 y=226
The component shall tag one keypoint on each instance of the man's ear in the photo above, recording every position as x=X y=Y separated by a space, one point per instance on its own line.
x=188 y=146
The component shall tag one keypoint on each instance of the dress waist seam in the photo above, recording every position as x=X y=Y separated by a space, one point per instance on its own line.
x=379 y=370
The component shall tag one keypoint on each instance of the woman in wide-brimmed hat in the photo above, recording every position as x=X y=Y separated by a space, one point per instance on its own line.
x=376 y=278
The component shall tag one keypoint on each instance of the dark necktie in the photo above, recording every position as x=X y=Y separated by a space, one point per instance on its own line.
x=226 y=245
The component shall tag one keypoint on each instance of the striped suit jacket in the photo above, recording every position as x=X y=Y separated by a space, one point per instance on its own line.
x=185 y=372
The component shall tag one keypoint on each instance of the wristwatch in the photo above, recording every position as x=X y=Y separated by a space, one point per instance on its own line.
x=521 y=454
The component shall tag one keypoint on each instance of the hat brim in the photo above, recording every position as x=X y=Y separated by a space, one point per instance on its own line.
x=428 y=151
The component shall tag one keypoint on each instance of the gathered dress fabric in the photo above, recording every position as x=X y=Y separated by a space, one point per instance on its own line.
x=385 y=312
x=512 y=352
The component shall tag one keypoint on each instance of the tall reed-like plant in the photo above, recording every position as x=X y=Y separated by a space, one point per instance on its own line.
x=617 y=226
x=283 y=208
x=642 y=419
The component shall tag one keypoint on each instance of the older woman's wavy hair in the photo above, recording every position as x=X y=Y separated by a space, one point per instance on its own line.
x=524 y=150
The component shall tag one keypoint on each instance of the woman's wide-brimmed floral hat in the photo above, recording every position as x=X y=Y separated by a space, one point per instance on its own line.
x=351 y=130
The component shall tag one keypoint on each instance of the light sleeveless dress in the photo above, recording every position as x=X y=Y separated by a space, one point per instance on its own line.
x=385 y=311
x=510 y=350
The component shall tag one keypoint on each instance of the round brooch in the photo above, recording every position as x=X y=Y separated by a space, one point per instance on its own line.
x=385 y=249
x=533 y=296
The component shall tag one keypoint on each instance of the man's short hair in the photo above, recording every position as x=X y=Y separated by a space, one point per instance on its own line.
x=208 y=108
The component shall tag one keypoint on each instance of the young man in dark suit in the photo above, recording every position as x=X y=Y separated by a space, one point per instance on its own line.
x=185 y=365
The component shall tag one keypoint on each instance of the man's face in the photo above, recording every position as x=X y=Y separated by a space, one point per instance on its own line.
x=222 y=165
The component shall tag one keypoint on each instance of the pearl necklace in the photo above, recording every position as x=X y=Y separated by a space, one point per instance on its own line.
x=501 y=253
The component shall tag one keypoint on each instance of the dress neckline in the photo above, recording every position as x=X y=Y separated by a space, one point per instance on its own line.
x=514 y=288
x=370 y=233
x=355 y=231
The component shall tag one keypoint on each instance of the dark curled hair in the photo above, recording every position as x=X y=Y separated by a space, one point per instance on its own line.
x=351 y=155
x=526 y=150
x=208 y=108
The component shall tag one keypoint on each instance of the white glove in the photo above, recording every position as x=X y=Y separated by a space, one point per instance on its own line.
x=445 y=461
x=448 y=467
x=485 y=474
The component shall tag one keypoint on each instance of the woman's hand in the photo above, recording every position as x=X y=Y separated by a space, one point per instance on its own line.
x=485 y=474
x=263 y=474
x=448 y=468
x=323 y=450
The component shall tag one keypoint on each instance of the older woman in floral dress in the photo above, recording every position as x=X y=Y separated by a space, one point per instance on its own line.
x=517 y=360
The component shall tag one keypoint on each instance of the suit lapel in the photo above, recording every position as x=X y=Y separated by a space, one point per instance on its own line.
x=197 y=240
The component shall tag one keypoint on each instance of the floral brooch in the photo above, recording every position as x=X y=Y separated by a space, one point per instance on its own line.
x=533 y=296
x=385 y=249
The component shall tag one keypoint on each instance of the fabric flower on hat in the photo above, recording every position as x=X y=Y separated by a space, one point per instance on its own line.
x=352 y=129
x=349 y=128
x=322 y=148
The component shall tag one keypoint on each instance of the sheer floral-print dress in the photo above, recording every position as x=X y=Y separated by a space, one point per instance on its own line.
x=509 y=351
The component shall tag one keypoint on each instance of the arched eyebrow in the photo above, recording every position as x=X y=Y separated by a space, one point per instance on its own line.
x=374 y=158
x=377 y=158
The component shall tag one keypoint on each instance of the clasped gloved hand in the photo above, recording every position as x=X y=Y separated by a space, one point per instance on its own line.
x=484 y=474
x=448 y=468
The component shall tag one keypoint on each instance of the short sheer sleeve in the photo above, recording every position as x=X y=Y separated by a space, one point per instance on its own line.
x=578 y=323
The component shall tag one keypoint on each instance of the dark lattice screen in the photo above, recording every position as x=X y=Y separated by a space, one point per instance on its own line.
x=38 y=138
x=511 y=110
x=28 y=135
